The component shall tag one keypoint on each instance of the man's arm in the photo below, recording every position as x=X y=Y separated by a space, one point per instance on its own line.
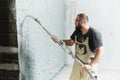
x=99 y=52
x=69 y=42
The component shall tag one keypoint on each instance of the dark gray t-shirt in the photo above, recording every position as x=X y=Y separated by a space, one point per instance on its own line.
x=95 y=38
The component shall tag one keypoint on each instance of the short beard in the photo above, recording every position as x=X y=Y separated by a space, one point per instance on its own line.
x=78 y=27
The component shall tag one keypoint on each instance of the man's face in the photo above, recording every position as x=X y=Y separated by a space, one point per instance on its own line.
x=79 y=23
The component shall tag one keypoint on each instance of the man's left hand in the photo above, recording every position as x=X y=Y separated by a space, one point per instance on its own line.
x=86 y=67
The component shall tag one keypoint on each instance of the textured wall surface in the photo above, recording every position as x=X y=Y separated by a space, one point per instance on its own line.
x=40 y=58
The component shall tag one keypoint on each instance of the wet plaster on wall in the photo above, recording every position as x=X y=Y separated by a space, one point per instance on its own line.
x=40 y=58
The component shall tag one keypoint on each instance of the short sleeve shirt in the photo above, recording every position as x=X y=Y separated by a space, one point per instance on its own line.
x=95 y=38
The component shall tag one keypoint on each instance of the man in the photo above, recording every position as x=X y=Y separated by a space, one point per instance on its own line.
x=88 y=48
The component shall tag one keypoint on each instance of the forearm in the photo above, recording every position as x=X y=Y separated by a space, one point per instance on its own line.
x=98 y=55
x=69 y=42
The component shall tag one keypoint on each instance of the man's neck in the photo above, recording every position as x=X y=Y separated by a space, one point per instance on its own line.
x=85 y=29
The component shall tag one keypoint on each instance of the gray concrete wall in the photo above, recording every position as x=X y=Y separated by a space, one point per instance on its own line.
x=40 y=58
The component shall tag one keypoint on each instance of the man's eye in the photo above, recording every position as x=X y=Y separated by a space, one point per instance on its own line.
x=77 y=20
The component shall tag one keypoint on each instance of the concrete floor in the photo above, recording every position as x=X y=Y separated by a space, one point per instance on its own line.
x=104 y=74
